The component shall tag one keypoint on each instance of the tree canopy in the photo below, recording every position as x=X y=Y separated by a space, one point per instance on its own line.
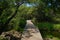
x=13 y=11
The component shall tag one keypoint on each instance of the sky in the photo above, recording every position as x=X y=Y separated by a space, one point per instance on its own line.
x=28 y=5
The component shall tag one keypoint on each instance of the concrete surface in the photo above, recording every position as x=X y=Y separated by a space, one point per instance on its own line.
x=31 y=32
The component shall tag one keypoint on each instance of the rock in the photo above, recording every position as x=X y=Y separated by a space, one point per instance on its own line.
x=11 y=35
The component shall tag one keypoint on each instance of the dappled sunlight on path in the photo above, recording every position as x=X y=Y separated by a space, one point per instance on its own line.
x=31 y=32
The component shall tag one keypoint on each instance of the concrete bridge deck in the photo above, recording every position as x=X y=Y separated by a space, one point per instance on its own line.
x=31 y=32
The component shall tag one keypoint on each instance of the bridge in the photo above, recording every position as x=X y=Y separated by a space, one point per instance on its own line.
x=31 y=32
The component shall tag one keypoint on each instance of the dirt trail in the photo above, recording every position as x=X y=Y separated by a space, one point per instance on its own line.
x=31 y=32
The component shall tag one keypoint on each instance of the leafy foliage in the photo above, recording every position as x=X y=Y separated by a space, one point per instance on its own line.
x=14 y=13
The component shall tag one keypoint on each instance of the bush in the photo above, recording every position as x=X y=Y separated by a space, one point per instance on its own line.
x=21 y=25
x=45 y=26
